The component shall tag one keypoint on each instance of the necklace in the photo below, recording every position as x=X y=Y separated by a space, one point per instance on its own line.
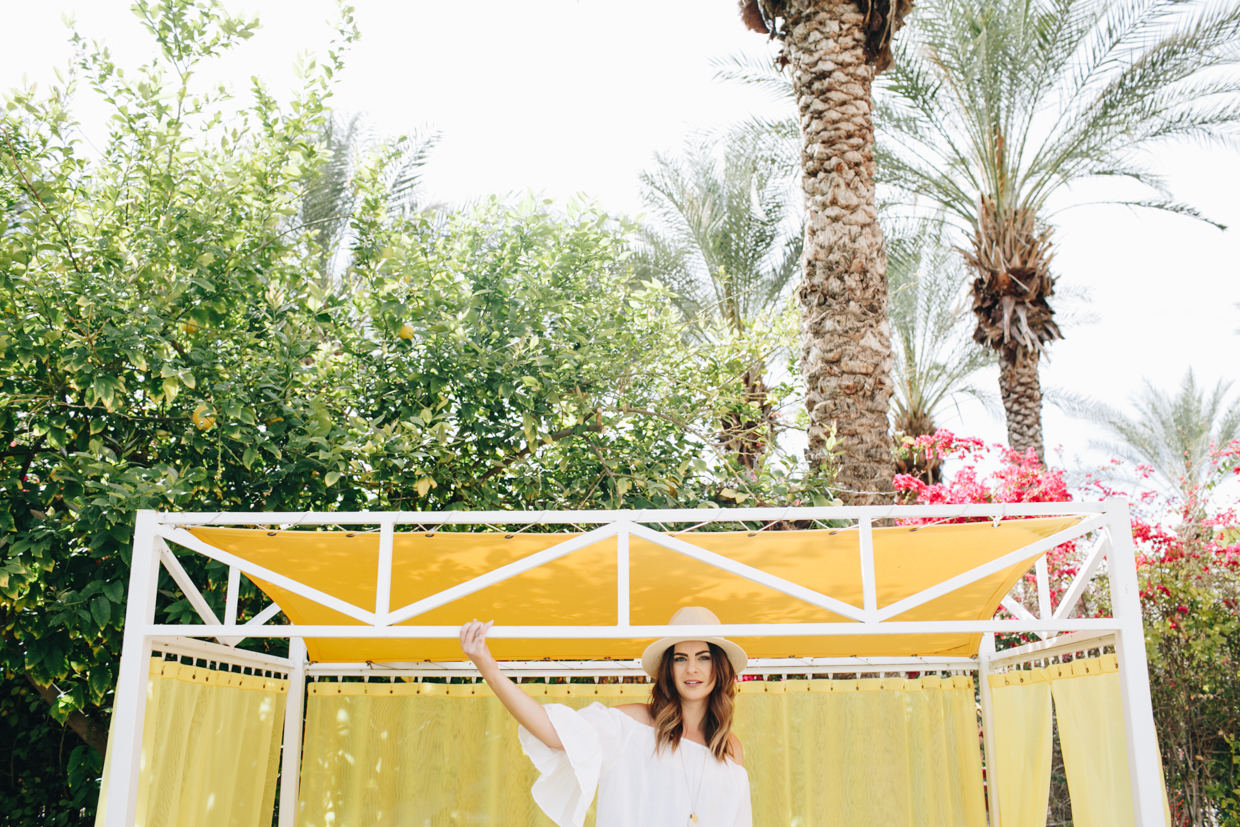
x=694 y=797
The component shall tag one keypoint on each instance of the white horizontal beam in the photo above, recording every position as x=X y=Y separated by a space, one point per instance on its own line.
x=500 y=574
x=647 y=632
x=1006 y=561
x=183 y=538
x=729 y=565
x=204 y=650
x=1093 y=558
x=682 y=515
x=1062 y=645
x=604 y=668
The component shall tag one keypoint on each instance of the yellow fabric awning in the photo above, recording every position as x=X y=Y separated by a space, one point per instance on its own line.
x=580 y=588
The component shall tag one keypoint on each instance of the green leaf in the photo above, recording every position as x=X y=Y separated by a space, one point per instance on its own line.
x=101 y=610
x=100 y=680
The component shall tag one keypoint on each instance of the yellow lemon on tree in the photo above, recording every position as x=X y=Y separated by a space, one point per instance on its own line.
x=201 y=419
x=406 y=331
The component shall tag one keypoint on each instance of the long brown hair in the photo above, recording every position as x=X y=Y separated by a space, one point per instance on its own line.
x=665 y=710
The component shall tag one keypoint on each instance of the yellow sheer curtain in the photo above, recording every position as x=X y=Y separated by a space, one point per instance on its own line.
x=862 y=752
x=1022 y=738
x=210 y=748
x=1095 y=748
x=818 y=753
x=387 y=754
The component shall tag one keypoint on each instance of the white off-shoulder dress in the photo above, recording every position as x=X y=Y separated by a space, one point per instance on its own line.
x=607 y=749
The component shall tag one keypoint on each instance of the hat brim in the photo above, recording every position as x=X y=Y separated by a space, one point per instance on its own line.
x=654 y=652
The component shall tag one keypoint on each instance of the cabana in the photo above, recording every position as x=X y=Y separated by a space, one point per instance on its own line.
x=373 y=611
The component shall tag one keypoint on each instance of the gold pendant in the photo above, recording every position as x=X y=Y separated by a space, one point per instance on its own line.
x=693 y=818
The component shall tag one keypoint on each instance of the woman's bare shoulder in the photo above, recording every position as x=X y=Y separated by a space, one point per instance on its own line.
x=638 y=712
x=735 y=751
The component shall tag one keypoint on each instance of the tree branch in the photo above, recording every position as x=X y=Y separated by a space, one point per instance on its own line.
x=87 y=729
x=528 y=449
x=64 y=237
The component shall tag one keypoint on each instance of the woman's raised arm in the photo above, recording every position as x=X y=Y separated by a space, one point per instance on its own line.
x=528 y=712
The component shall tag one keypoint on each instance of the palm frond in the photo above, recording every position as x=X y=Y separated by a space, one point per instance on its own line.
x=753 y=70
x=1014 y=99
x=1171 y=433
x=728 y=238
x=934 y=357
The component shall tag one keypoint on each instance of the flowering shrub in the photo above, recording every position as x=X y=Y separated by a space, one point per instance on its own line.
x=1022 y=478
x=1188 y=564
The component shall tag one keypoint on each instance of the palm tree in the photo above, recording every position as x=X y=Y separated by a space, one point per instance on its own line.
x=992 y=107
x=935 y=359
x=834 y=48
x=1172 y=434
x=329 y=199
x=728 y=247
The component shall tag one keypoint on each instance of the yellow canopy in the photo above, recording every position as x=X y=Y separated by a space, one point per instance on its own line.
x=580 y=588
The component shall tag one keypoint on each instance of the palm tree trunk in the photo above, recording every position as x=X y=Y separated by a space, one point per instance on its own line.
x=845 y=336
x=1022 y=398
x=1011 y=254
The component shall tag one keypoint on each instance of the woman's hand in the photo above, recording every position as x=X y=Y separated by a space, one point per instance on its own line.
x=474 y=645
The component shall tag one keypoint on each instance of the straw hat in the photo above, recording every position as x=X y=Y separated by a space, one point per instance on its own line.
x=692 y=616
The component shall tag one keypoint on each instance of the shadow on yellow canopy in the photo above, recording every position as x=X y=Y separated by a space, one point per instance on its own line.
x=579 y=589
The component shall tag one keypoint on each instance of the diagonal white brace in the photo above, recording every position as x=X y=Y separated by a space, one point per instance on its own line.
x=259 y=619
x=500 y=574
x=779 y=584
x=1020 y=611
x=1016 y=608
x=1093 y=558
x=996 y=565
x=183 y=538
x=181 y=577
x=262 y=617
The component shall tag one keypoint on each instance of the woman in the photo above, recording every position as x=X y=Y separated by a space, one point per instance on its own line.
x=668 y=763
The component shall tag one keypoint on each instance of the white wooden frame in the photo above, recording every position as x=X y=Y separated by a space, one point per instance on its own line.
x=154 y=531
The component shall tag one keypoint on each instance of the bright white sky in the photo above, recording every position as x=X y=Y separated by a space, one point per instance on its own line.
x=575 y=96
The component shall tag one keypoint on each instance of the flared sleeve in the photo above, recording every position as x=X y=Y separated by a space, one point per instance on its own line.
x=568 y=777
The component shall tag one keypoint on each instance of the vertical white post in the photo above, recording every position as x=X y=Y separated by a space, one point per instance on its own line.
x=294 y=714
x=1044 y=589
x=622 y=576
x=1144 y=769
x=230 y=602
x=869 y=591
x=129 y=706
x=984 y=654
x=383 y=585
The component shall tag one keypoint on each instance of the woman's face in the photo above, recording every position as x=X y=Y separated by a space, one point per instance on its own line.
x=693 y=670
